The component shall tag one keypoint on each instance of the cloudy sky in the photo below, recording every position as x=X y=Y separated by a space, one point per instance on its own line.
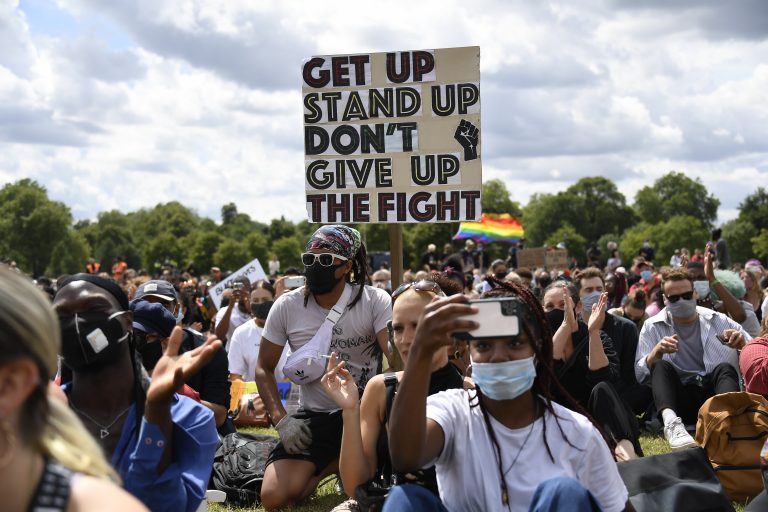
x=127 y=103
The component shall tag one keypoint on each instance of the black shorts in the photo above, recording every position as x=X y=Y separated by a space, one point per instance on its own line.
x=326 y=428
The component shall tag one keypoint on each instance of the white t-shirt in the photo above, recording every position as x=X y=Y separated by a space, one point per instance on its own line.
x=237 y=319
x=244 y=351
x=354 y=336
x=467 y=471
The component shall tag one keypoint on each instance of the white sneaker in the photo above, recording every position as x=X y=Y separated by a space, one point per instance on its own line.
x=677 y=437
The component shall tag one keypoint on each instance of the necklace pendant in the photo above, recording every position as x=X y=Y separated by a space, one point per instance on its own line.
x=103 y=433
x=504 y=497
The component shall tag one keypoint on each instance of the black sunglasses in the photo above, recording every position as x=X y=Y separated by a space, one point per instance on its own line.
x=424 y=285
x=325 y=259
x=684 y=296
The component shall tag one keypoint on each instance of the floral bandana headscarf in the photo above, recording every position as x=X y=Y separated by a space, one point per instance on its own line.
x=338 y=239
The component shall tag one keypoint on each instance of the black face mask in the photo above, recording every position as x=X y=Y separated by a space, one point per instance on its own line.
x=501 y=275
x=555 y=319
x=91 y=340
x=150 y=353
x=261 y=311
x=322 y=279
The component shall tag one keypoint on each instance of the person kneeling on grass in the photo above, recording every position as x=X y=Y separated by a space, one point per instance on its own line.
x=486 y=443
x=365 y=423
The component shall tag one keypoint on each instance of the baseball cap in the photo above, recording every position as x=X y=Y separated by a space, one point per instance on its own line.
x=152 y=318
x=156 y=288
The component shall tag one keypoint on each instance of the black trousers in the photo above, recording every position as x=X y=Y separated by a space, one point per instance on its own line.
x=686 y=399
x=614 y=415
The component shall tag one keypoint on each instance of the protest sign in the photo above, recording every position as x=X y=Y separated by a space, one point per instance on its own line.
x=393 y=137
x=542 y=257
x=253 y=271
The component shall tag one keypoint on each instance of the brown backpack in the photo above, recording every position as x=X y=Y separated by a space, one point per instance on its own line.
x=732 y=428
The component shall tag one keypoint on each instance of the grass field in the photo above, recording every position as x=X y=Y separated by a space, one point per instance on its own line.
x=326 y=497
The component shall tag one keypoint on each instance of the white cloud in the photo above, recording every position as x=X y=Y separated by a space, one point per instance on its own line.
x=203 y=105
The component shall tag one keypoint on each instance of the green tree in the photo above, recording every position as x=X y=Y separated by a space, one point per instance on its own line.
x=760 y=244
x=231 y=255
x=675 y=233
x=754 y=209
x=592 y=206
x=416 y=238
x=162 y=248
x=496 y=199
x=574 y=242
x=258 y=247
x=31 y=225
x=739 y=233
x=202 y=246
x=676 y=194
x=70 y=254
x=281 y=228
x=288 y=251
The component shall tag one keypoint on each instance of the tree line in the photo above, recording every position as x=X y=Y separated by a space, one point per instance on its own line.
x=676 y=211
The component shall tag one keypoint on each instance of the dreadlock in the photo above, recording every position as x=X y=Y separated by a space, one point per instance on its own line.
x=537 y=328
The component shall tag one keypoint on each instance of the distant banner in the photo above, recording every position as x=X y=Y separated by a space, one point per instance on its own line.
x=253 y=271
x=393 y=137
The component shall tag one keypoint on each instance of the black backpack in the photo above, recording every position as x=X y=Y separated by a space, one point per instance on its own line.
x=239 y=464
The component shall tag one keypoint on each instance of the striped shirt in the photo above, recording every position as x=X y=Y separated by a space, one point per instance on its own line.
x=711 y=322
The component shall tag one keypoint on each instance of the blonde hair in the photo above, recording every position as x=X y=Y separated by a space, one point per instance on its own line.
x=30 y=329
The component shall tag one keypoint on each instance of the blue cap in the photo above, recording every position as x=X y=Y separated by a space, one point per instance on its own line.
x=152 y=318
x=156 y=288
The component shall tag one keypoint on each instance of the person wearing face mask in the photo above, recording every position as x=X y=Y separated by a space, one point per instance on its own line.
x=623 y=334
x=633 y=309
x=585 y=361
x=687 y=354
x=336 y=269
x=365 y=423
x=236 y=313
x=507 y=444
x=161 y=444
x=212 y=381
x=244 y=349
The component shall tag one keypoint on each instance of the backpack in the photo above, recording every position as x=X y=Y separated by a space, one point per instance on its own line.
x=239 y=465
x=732 y=428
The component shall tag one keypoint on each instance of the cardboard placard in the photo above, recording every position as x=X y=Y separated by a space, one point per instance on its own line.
x=541 y=257
x=393 y=137
x=252 y=270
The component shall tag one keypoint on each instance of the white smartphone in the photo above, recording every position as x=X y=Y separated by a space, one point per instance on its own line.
x=498 y=317
x=294 y=282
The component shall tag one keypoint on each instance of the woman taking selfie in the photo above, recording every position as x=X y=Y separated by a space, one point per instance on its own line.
x=48 y=461
x=505 y=445
x=365 y=421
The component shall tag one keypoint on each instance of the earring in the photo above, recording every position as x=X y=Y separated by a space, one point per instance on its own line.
x=7 y=445
x=457 y=355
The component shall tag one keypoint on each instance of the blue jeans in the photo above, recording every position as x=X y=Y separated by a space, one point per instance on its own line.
x=556 y=494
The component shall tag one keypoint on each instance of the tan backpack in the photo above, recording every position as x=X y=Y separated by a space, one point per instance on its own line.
x=732 y=428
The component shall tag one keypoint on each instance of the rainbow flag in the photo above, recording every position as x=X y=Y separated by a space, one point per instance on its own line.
x=493 y=227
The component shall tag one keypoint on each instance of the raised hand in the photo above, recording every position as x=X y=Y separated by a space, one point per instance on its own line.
x=709 y=263
x=440 y=319
x=597 y=317
x=569 y=317
x=172 y=370
x=339 y=384
x=467 y=135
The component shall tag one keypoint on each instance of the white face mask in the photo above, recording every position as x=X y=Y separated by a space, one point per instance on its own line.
x=702 y=288
x=682 y=308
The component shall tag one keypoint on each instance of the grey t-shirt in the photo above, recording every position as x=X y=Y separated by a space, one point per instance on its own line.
x=354 y=336
x=689 y=358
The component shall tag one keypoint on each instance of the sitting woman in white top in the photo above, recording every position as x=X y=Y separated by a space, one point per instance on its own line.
x=244 y=347
x=486 y=444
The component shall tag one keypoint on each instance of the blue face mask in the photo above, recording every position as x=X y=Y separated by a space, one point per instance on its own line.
x=588 y=301
x=504 y=381
x=179 y=315
x=646 y=275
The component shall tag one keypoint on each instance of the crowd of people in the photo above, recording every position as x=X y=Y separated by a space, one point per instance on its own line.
x=116 y=388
